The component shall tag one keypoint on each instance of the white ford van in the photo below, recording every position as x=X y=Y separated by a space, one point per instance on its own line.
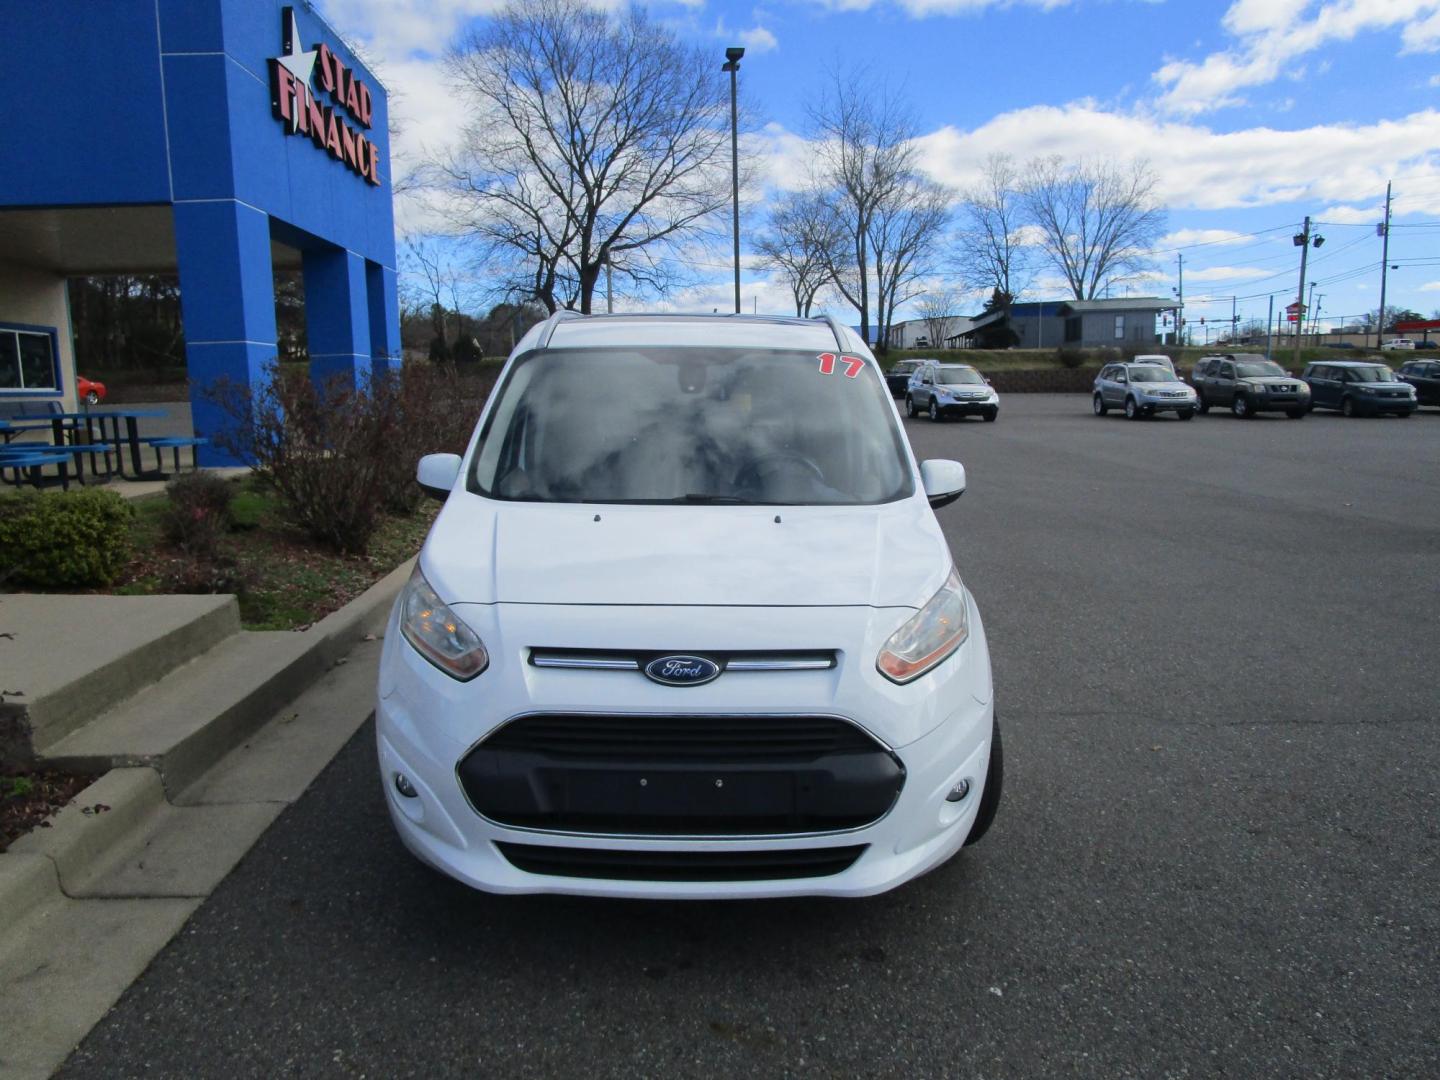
x=687 y=626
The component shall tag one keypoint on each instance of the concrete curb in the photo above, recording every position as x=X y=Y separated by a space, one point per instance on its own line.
x=33 y=870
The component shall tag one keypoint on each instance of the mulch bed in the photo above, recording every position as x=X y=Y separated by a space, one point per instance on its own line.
x=28 y=799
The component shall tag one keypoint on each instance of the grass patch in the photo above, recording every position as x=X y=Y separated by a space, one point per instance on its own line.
x=283 y=581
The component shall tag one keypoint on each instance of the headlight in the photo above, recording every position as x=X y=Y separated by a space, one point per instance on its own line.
x=935 y=631
x=437 y=633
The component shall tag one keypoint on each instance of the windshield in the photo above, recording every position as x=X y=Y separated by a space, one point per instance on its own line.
x=1377 y=373
x=1150 y=374
x=904 y=367
x=1264 y=369
x=692 y=425
x=958 y=376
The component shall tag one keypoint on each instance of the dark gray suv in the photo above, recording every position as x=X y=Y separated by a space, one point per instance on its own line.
x=1359 y=388
x=1246 y=384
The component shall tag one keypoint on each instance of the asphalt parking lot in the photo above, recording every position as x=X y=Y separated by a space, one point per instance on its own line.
x=1214 y=646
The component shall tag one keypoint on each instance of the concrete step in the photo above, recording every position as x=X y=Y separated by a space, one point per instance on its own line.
x=65 y=658
x=184 y=723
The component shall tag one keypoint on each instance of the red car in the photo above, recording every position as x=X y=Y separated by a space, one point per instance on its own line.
x=88 y=391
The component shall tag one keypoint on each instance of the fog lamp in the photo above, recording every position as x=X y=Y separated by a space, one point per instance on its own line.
x=959 y=791
x=404 y=786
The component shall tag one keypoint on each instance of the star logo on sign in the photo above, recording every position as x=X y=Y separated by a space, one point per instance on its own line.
x=300 y=64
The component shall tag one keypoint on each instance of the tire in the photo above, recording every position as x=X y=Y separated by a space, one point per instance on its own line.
x=92 y=398
x=1100 y=407
x=1185 y=414
x=1204 y=405
x=1347 y=408
x=1296 y=414
x=910 y=409
x=1132 y=410
x=1241 y=407
x=1404 y=415
x=994 y=414
x=994 y=788
x=935 y=416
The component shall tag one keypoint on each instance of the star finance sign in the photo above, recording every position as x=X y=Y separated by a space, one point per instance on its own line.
x=295 y=103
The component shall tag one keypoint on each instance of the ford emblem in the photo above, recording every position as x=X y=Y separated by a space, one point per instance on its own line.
x=682 y=670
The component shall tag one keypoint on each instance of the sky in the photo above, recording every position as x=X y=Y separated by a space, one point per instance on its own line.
x=1253 y=114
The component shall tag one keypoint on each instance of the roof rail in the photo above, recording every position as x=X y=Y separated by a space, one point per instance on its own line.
x=561 y=315
x=835 y=329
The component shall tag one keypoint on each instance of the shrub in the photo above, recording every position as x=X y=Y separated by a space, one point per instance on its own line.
x=79 y=539
x=422 y=410
x=1070 y=358
x=198 y=514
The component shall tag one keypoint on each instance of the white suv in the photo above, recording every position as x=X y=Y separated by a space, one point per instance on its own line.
x=687 y=626
x=1397 y=343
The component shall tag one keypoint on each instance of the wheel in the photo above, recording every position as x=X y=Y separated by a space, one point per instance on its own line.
x=1241 y=407
x=994 y=414
x=1185 y=414
x=910 y=409
x=1100 y=407
x=1132 y=410
x=1401 y=415
x=1296 y=414
x=994 y=787
x=1204 y=405
x=92 y=398
x=1347 y=407
x=934 y=411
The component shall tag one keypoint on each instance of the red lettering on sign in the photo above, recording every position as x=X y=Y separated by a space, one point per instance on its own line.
x=853 y=364
x=327 y=77
x=332 y=135
x=341 y=74
x=347 y=147
x=352 y=98
x=315 y=117
x=827 y=363
x=374 y=174
x=282 y=88
x=367 y=111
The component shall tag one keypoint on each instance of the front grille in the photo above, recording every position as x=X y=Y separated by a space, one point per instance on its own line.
x=681 y=775
x=680 y=865
x=728 y=660
x=735 y=740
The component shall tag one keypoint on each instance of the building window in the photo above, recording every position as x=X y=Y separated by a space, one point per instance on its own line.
x=27 y=360
x=1119 y=327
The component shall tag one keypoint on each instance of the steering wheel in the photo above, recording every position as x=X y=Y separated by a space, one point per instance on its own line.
x=770 y=464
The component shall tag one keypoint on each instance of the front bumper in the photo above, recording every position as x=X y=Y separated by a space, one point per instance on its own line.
x=939 y=730
x=1154 y=405
x=974 y=407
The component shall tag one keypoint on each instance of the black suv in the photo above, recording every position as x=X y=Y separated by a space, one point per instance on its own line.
x=1424 y=376
x=1246 y=384
x=898 y=377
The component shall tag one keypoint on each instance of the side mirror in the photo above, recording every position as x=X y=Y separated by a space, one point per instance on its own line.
x=944 y=481
x=437 y=474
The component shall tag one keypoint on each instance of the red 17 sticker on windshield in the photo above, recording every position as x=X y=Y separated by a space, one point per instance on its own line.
x=853 y=364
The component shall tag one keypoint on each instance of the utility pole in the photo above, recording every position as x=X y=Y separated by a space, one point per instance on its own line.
x=1234 y=320
x=1302 y=241
x=1269 y=321
x=1384 y=266
x=1310 y=310
x=1315 y=319
x=1180 y=311
x=732 y=65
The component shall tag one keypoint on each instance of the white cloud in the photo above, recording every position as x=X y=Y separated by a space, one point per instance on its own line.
x=1227 y=273
x=1352 y=215
x=1199 y=168
x=1429 y=286
x=1271 y=35
x=1193 y=237
x=758 y=40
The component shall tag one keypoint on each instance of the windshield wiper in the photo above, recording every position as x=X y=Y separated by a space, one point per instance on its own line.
x=693 y=497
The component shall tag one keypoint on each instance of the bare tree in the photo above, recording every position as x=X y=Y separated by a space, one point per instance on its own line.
x=938 y=307
x=904 y=231
x=991 y=251
x=1098 y=220
x=866 y=157
x=594 y=142
x=801 y=244
x=434 y=279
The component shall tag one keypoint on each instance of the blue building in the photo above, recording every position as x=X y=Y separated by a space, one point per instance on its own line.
x=220 y=139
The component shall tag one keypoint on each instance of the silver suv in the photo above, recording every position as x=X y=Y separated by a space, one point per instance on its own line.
x=1142 y=390
x=941 y=390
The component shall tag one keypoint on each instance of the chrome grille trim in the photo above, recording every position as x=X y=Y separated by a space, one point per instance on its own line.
x=625 y=660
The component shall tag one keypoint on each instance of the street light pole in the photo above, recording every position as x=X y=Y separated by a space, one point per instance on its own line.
x=732 y=65
x=1384 y=266
x=1302 y=241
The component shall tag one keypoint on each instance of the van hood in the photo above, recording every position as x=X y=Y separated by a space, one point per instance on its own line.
x=483 y=551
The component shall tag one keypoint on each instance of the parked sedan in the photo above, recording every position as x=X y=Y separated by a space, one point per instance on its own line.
x=1142 y=390
x=1246 y=384
x=1424 y=376
x=1358 y=388
x=1399 y=343
x=89 y=391
x=941 y=390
